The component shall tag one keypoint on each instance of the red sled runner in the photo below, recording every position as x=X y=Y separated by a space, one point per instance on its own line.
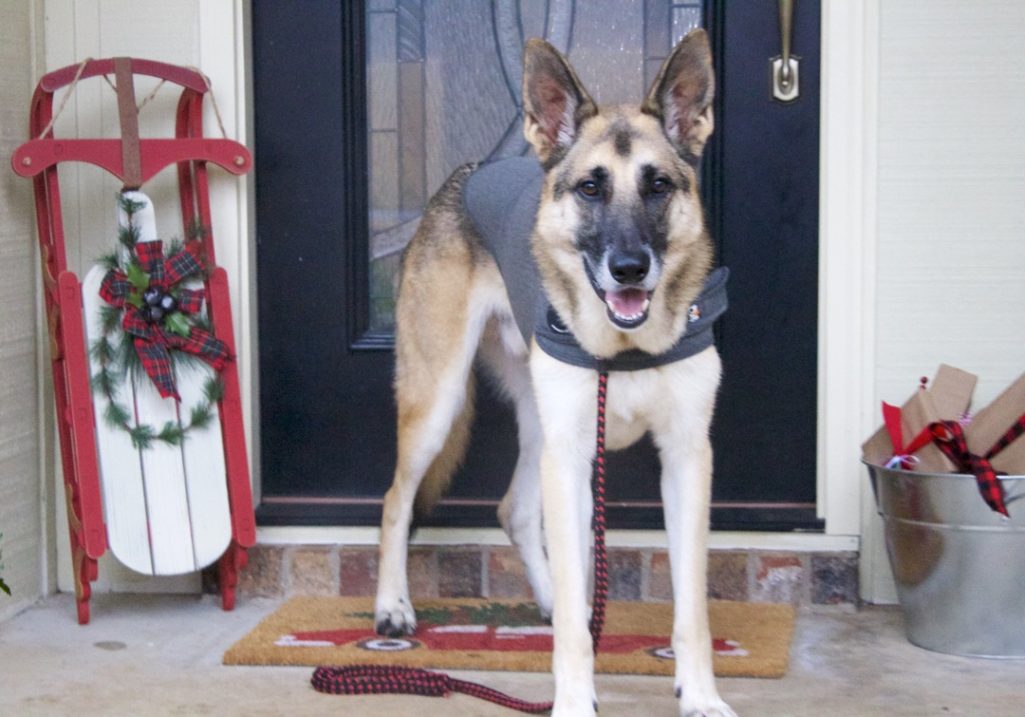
x=154 y=470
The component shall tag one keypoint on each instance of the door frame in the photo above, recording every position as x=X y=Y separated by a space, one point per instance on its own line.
x=308 y=481
x=846 y=337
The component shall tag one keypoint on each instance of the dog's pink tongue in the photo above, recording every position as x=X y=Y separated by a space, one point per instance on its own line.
x=626 y=302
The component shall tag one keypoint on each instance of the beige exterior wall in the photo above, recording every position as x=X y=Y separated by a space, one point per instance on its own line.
x=21 y=511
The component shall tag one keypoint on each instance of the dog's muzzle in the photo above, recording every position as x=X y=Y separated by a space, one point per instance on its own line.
x=628 y=302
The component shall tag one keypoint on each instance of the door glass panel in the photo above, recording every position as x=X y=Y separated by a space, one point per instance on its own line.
x=443 y=86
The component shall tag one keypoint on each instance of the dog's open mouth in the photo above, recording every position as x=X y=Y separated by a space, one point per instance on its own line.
x=627 y=308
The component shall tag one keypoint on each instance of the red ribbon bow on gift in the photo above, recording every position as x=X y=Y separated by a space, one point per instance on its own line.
x=149 y=336
x=902 y=454
x=949 y=436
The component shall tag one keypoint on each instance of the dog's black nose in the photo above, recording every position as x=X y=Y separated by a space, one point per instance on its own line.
x=629 y=267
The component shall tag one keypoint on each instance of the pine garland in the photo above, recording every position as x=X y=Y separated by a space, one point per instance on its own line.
x=113 y=350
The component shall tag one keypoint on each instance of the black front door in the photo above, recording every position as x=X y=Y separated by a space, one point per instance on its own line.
x=362 y=109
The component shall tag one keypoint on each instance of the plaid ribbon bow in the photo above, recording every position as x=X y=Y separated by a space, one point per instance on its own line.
x=152 y=342
x=949 y=436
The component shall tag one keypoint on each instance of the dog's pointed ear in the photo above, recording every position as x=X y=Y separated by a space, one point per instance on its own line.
x=554 y=102
x=681 y=96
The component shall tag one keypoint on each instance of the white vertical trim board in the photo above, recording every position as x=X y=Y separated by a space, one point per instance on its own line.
x=47 y=459
x=222 y=57
x=847 y=256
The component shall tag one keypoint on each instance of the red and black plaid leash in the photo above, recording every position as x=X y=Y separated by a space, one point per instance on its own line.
x=393 y=679
x=949 y=436
x=601 y=559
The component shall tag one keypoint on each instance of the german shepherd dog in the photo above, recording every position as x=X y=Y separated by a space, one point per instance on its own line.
x=622 y=250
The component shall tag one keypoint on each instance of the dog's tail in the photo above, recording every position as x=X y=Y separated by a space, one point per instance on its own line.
x=438 y=478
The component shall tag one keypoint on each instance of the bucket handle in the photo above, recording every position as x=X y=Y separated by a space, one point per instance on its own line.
x=1010 y=498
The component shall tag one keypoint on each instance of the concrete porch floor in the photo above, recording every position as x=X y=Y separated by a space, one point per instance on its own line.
x=160 y=655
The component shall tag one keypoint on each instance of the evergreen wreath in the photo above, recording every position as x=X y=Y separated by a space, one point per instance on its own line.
x=148 y=312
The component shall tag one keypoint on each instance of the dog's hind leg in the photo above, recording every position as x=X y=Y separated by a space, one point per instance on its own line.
x=434 y=360
x=519 y=513
x=421 y=442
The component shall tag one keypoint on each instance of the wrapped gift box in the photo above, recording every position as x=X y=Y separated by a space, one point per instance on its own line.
x=948 y=397
x=990 y=424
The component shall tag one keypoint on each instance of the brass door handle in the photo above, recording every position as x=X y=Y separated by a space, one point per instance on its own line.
x=785 y=67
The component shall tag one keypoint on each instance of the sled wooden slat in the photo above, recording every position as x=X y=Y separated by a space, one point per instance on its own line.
x=163 y=467
x=167 y=499
x=124 y=499
x=205 y=483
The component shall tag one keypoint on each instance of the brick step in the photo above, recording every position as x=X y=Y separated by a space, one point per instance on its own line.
x=798 y=578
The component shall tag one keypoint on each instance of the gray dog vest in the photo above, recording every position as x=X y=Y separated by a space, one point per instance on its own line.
x=502 y=198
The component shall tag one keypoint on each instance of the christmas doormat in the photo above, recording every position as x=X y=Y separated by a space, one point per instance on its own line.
x=749 y=639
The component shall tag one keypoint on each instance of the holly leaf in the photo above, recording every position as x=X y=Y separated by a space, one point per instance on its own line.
x=176 y=323
x=137 y=277
x=135 y=299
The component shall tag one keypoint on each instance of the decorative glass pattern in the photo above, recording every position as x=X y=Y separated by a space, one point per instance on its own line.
x=443 y=80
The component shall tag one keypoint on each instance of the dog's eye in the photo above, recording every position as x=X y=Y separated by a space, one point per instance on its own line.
x=661 y=185
x=589 y=188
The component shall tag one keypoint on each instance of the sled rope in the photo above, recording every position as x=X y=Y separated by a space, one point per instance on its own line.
x=64 y=97
x=393 y=680
x=146 y=100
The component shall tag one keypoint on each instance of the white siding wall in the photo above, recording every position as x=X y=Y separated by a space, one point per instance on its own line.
x=951 y=252
x=950 y=279
x=20 y=484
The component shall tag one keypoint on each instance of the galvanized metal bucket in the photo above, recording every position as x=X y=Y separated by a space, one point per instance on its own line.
x=959 y=567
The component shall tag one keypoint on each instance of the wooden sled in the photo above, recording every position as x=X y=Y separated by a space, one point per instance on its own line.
x=167 y=509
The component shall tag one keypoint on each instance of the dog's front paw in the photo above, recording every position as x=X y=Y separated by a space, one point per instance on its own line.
x=394 y=618
x=717 y=710
x=568 y=708
x=703 y=706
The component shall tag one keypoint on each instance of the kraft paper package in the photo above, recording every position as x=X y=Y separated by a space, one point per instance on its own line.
x=947 y=397
x=992 y=422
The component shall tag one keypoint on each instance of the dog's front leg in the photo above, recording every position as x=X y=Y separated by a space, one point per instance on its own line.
x=686 y=494
x=566 y=403
x=566 y=514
